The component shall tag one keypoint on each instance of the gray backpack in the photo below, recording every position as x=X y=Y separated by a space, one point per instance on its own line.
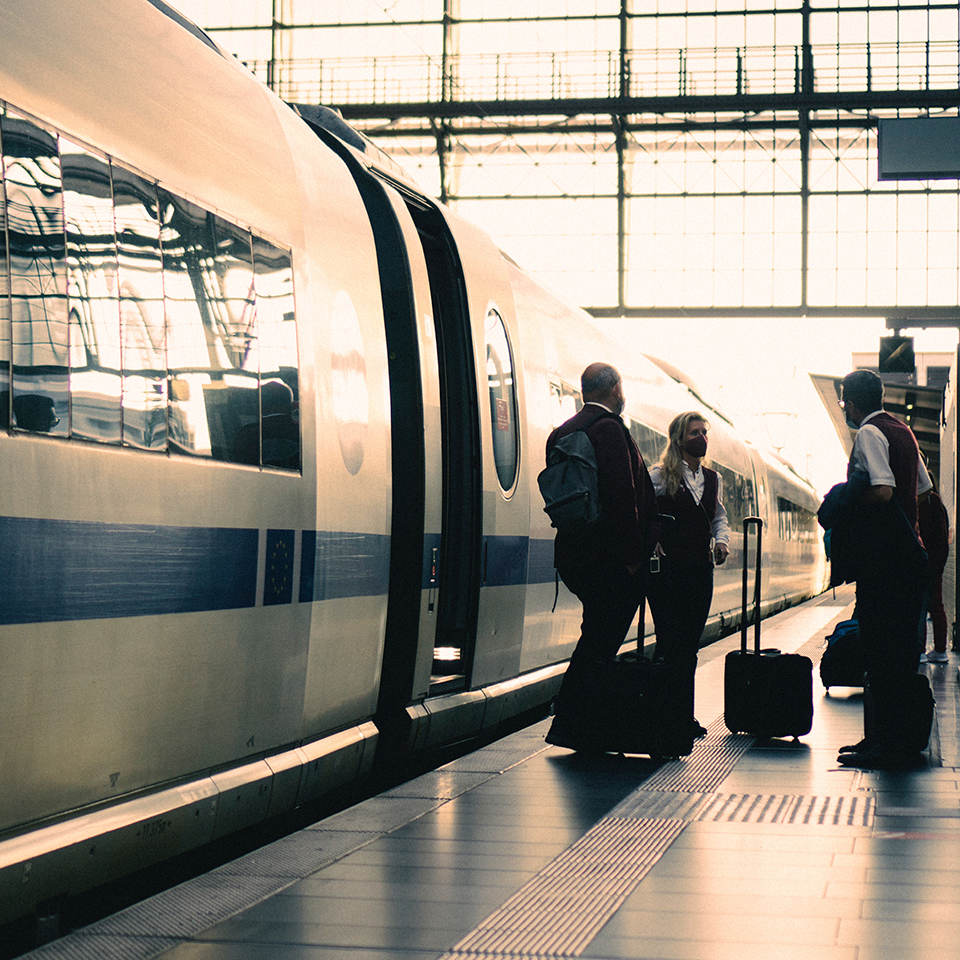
x=569 y=485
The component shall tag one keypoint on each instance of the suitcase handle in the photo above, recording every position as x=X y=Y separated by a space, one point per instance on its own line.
x=747 y=521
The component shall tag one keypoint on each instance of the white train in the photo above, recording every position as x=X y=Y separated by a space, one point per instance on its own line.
x=271 y=425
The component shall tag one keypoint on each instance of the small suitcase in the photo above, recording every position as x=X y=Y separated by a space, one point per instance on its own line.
x=842 y=663
x=766 y=693
x=918 y=721
x=627 y=705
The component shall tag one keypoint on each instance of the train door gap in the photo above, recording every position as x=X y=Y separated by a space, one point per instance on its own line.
x=458 y=564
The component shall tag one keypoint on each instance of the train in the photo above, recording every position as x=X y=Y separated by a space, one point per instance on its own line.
x=272 y=419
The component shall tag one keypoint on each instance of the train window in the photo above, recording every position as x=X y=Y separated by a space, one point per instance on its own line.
x=187 y=246
x=211 y=339
x=650 y=442
x=564 y=401
x=4 y=296
x=279 y=383
x=93 y=297
x=794 y=522
x=38 y=284
x=129 y=315
x=737 y=495
x=503 y=401
x=142 y=324
x=233 y=402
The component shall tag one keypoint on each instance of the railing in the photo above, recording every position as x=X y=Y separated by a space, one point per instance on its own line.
x=720 y=71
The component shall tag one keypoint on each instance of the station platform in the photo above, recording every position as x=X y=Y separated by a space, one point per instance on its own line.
x=745 y=850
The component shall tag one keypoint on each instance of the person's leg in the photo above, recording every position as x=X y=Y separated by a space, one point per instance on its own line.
x=680 y=602
x=938 y=615
x=610 y=598
x=888 y=615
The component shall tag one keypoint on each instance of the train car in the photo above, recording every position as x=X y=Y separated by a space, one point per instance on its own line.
x=271 y=425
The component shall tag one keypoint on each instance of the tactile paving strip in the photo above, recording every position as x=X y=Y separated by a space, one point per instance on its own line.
x=105 y=948
x=852 y=810
x=562 y=908
x=558 y=913
x=712 y=759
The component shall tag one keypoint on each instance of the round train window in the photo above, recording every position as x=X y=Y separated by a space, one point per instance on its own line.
x=351 y=397
x=503 y=401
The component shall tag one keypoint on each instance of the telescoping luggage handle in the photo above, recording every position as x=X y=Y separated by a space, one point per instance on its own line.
x=747 y=521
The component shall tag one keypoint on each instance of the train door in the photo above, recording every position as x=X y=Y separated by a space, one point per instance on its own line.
x=454 y=555
x=450 y=535
x=436 y=499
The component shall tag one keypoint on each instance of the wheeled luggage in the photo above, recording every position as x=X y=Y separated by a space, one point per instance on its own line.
x=627 y=705
x=842 y=663
x=917 y=721
x=766 y=693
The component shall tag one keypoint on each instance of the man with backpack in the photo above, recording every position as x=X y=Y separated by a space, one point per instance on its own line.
x=604 y=560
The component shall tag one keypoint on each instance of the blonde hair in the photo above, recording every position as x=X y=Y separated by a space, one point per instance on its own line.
x=671 y=460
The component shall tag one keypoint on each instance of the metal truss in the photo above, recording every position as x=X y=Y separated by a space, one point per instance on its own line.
x=806 y=101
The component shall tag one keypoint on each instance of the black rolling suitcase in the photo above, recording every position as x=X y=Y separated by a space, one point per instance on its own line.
x=627 y=705
x=766 y=693
x=842 y=663
x=918 y=719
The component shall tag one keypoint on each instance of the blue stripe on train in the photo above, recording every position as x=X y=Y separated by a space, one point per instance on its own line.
x=336 y=565
x=508 y=561
x=55 y=570
x=76 y=570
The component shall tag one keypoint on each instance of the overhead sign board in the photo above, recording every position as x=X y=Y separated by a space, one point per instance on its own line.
x=925 y=148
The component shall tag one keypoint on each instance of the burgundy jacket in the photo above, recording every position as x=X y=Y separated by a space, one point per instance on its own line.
x=625 y=534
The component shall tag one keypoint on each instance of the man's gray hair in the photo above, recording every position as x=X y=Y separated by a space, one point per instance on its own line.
x=864 y=388
x=604 y=378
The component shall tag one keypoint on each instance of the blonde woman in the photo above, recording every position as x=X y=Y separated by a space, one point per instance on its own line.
x=690 y=545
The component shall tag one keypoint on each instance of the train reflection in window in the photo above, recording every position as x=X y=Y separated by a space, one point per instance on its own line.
x=38 y=276
x=94 y=302
x=503 y=401
x=142 y=324
x=4 y=296
x=564 y=401
x=129 y=315
x=277 y=330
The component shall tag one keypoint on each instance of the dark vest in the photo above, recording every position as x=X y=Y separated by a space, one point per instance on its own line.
x=904 y=462
x=687 y=539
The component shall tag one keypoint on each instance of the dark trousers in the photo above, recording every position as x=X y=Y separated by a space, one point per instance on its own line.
x=938 y=616
x=611 y=597
x=888 y=612
x=680 y=603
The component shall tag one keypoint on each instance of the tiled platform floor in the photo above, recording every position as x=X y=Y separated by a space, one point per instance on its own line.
x=742 y=851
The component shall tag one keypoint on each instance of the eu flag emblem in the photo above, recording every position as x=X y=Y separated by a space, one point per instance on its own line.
x=278 y=579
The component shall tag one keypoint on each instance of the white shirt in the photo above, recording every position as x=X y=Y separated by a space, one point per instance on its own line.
x=695 y=482
x=871 y=453
x=602 y=406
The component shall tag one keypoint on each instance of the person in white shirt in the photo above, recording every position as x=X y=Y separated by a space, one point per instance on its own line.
x=690 y=545
x=888 y=562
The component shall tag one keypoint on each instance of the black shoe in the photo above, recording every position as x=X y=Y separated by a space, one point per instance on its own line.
x=875 y=758
x=856 y=747
x=571 y=741
x=698 y=730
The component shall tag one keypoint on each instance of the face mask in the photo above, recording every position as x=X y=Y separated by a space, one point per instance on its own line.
x=852 y=425
x=697 y=446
